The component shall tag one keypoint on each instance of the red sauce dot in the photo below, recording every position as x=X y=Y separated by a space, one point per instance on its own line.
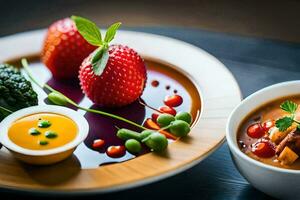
x=98 y=143
x=116 y=151
x=255 y=131
x=154 y=83
x=263 y=149
x=173 y=100
x=167 y=109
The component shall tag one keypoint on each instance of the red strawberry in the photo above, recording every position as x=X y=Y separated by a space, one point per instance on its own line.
x=64 y=49
x=121 y=82
x=111 y=76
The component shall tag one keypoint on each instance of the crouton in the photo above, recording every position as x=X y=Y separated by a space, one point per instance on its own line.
x=287 y=156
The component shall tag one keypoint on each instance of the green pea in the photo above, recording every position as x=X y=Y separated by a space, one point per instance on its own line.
x=184 y=116
x=133 y=146
x=156 y=141
x=145 y=133
x=50 y=134
x=164 y=120
x=57 y=99
x=34 y=131
x=179 y=128
x=126 y=134
x=44 y=124
x=43 y=142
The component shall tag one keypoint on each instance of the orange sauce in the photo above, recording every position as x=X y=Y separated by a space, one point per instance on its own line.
x=64 y=128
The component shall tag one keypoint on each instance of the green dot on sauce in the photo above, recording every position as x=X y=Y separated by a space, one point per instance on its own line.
x=34 y=131
x=44 y=124
x=50 y=134
x=43 y=142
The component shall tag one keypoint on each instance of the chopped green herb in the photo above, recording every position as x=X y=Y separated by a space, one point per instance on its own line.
x=44 y=124
x=50 y=134
x=284 y=123
x=43 y=142
x=34 y=131
x=289 y=106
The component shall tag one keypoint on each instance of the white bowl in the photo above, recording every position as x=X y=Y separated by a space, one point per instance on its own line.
x=274 y=181
x=50 y=156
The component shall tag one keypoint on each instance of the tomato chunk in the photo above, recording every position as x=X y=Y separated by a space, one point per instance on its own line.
x=173 y=101
x=263 y=149
x=255 y=130
x=116 y=151
x=98 y=143
x=167 y=109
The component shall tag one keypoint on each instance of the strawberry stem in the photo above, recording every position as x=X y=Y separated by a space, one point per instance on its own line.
x=70 y=101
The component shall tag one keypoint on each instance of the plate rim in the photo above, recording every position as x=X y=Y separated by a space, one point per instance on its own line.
x=238 y=96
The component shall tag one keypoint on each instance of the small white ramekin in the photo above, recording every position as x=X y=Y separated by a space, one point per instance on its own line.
x=50 y=156
x=274 y=181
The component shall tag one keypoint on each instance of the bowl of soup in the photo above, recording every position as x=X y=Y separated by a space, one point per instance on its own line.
x=263 y=135
x=44 y=134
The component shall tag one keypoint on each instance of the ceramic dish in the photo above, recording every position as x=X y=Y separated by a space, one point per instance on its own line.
x=277 y=182
x=50 y=156
x=210 y=87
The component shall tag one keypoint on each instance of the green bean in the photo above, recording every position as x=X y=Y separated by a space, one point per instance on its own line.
x=184 y=116
x=164 y=120
x=126 y=134
x=57 y=99
x=145 y=134
x=133 y=146
x=156 y=141
x=179 y=128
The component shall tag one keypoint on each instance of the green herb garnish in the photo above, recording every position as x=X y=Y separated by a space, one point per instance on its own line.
x=44 y=124
x=289 y=107
x=50 y=134
x=92 y=34
x=284 y=123
x=34 y=131
x=43 y=142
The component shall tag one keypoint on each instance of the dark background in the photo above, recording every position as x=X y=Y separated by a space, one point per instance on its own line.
x=257 y=40
x=263 y=18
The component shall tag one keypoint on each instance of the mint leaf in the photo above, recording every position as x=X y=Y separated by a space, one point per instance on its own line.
x=111 y=32
x=88 y=30
x=99 y=65
x=284 y=123
x=289 y=106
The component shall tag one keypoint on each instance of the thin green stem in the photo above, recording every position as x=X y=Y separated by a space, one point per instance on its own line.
x=26 y=68
x=5 y=109
x=296 y=121
x=112 y=116
x=48 y=87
